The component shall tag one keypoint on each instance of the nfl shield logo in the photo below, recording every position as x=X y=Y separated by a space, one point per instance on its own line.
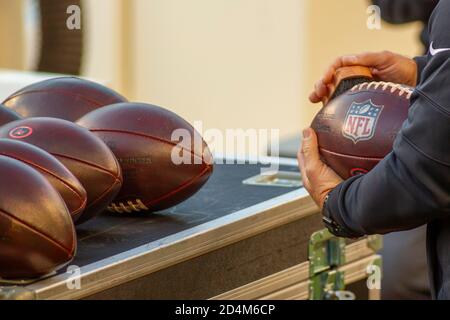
x=361 y=121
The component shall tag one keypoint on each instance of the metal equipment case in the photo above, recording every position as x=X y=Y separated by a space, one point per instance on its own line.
x=243 y=236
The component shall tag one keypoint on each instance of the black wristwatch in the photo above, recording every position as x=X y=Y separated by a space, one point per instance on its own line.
x=328 y=220
x=331 y=224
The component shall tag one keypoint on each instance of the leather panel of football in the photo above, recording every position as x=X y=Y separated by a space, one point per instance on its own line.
x=103 y=189
x=84 y=154
x=7 y=116
x=149 y=173
x=71 y=190
x=37 y=230
x=357 y=129
x=347 y=167
x=163 y=122
x=66 y=98
x=26 y=254
x=329 y=123
x=144 y=137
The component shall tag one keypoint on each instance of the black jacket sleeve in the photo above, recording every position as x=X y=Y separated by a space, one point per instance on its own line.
x=411 y=186
x=403 y=11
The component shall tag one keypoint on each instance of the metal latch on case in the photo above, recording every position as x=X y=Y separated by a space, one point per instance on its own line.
x=16 y=293
x=284 y=179
x=326 y=254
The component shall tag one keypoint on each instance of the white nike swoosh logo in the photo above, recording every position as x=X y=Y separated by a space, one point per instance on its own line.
x=434 y=51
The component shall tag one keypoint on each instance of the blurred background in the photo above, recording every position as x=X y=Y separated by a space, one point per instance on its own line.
x=229 y=63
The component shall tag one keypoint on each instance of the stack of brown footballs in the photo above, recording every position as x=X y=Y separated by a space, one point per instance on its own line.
x=71 y=149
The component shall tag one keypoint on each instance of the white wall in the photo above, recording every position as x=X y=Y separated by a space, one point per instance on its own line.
x=103 y=39
x=11 y=34
x=229 y=63
x=248 y=63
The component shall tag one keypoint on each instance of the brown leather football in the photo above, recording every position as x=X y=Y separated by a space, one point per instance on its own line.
x=37 y=235
x=56 y=173
x=357 y=129
x=140 y=135
x=7 y=115
x=84 y=154
x=67 y=98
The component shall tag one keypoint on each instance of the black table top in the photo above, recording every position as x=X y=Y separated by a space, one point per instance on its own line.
x=224 y=194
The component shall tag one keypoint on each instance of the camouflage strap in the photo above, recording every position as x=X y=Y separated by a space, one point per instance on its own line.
x=16 y=293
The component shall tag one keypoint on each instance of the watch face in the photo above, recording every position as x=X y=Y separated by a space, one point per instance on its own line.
x=330 y=224
x=324 y=206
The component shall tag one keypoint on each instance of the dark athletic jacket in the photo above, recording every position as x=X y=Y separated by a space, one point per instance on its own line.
x=411 y=186
x=404 y=11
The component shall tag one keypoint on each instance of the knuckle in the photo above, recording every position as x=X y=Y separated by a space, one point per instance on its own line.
x=318 y=85
x=387 y=53
x=310 y=170
x=306 y=149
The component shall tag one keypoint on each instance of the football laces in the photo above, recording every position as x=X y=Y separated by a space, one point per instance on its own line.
x=129 y=207
x=401 y=90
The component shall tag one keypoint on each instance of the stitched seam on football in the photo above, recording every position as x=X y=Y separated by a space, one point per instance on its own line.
x=106 y=192
x=149 y=137
x=389 y=87
x=89 y=164
x=38 y=232
x=181 y=187
x=62 y=92
x=378 y=92
x=350 y=156
x=82 y=200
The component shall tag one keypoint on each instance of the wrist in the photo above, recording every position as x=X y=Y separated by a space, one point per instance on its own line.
x=336 y=227
x=323 y=202
x=328 y=219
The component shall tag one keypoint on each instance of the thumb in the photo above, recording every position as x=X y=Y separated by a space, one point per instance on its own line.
x=310 y=146
x=350 y=61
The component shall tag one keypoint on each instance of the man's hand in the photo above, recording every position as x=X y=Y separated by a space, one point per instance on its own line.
x=318 y=178
x=385 y=66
